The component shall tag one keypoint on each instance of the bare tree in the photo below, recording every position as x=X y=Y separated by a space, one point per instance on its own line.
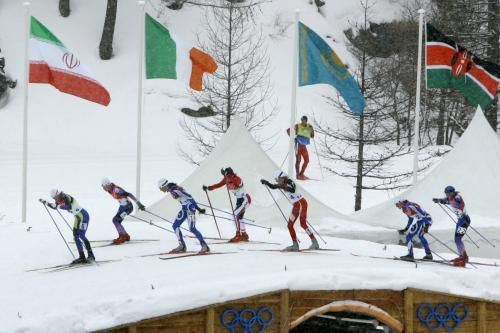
x=240 y=86
x=108 y=31
x=376 y=137
x=64 y=8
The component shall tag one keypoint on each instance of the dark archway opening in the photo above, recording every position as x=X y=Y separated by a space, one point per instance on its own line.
x=342 y=322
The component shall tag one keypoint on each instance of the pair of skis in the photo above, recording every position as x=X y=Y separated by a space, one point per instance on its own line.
x=417 y=261
x=63 y=267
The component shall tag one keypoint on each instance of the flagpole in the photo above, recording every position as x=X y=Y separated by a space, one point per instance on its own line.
x=421 y=13
x=25 y=111
x=139 y=102
x=293 y=114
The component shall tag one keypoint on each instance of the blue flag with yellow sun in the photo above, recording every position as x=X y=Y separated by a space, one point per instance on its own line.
x=318 y=63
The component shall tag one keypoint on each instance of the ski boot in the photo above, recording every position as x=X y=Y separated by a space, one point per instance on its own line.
x=204 y=249
x=244 y=236
x=459 y=262
x=428 y=256
x=126 y=237
x=90 y=257
x=90 y=254
x=179 y=249
x=408 y=257
x=301 y=177
x=121 y=239
x=237 y=238
x=292 y=248
x=314 y=244
x=80 y=260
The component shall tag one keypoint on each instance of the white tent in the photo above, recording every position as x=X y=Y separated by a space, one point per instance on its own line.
x=237 y=149
x=472 y=167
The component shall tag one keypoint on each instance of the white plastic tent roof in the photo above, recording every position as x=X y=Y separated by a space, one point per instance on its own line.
x=472 y=167
x=237 y=149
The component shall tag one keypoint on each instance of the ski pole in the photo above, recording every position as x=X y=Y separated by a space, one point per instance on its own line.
x=243 y=221
x=319 y=161
x=151 y=223
x=477 y=232
x=232 y=207
x=223 y=211
x=61 y=215
x=212 y=209
x=60 y=233
x=282 y=214
x=164 y=219
x=453 y=220
x=309 y=224
x=281 y=166
x=442 y=243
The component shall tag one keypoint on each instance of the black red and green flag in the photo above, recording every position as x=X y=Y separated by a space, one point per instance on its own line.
x=449 y=65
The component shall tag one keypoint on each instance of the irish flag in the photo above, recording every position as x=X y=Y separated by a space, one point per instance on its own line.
x=168 y=58
x=51 y=62
x=450 y=65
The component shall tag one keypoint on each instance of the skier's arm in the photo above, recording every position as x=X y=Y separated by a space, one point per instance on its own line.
x=312 y=132
x=217 y=185
x=131 y=196
x=289 y=186
x=268 y=184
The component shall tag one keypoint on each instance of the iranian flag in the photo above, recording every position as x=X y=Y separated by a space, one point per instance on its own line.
x=168 y=57
x=449 y=65
x=51 y=62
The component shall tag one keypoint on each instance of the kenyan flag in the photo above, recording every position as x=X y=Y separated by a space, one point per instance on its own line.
x=450 y=65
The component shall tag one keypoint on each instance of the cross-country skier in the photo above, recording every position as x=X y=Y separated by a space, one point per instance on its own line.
x=189 y=207
x=457 y=204
x=419 y=222
x=243 y=200
x=126 y=208
x=299 y=209
x=303 y=134
x=66 y=202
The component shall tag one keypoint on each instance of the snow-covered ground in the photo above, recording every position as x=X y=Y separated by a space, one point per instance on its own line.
x=74 y=143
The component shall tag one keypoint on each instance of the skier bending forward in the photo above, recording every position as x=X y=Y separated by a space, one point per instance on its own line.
x=418 y=224
x=299 y=209
x=67 y=202
x=189 y=207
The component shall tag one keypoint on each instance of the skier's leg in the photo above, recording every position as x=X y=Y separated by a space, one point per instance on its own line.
x=412 y=232
x=305 y=155
x=461 y=229
x=425 y=243
x=303 y=217
x=298 y=158
x=291 y=220
x=76 y=237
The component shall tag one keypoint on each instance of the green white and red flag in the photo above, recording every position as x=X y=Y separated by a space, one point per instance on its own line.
x=450 y=65
x=52 y=63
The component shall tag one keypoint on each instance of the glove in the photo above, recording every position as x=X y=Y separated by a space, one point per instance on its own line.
x=205 y=188
x=435 y=200
x=141 y=206
x=264 y=182
x=44 y=202
x=426 y=228
x=201 y=210
x=13 y=84
x=401 y=231
x=51 y=205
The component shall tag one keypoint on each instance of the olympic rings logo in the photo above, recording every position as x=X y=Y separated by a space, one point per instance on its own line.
x=437 y=316
x=250 y=320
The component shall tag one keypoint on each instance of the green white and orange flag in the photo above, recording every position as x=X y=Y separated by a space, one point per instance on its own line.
x=52 y=63
x=168 y=57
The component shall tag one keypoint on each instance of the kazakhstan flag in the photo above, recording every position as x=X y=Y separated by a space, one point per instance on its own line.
x=318 y=63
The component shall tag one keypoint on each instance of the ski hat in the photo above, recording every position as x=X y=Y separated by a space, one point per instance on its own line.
x=279 y=174
x=449 y=189
x=105 y=181
x=227 y=171
x=162 y=183
x=54 y=193
x=400 y=203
